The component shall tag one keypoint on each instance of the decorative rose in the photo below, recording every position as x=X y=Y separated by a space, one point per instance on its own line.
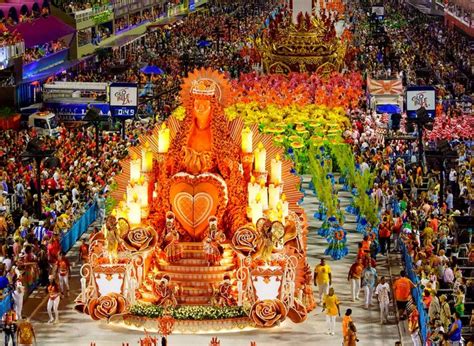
x=106 y=306
x=139 y=239
x=298 y=312
x=265 y=313
x=246 y=240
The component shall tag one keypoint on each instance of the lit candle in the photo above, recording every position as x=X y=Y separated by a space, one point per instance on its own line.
x=147 y=158
x=135 y=167
x=130 y=192
x=122 y=210
x=256 y=210
x=134 y=213
x=142 y=189
x=163 y=139
x=253 y=189
x=273 y=196
x=284 y=206
x=247 y=138
x=264 y=195
x=260 y=158
x=275 y=173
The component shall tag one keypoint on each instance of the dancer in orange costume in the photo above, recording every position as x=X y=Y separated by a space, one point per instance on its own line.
x=211 y=243
x=165 y=294
x=173 y=250
x=53 y=301
x=223 y=294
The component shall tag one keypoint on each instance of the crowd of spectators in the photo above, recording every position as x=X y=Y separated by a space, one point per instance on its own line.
x=25 y=16
x=418 y=48
x=30 y=243
x=462 y=9
x=221 y=41
x=420 y=213
x=39 y=52
x=8 y=38
x=133 y=20
x=76 y=6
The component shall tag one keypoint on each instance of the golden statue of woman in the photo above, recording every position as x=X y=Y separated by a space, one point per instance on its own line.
x=203 y=163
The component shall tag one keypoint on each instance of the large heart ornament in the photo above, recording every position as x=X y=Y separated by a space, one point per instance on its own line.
x=194 y=199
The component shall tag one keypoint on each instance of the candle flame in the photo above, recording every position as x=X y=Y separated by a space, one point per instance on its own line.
x=135 y=197
x=277 y=157
x=283 y=197
x=146 y=145
x=163 y=126
x=262 y=183
x=252 y=179
x=260 y=146
x=258 y=198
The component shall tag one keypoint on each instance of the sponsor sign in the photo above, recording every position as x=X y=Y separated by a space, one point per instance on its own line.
x=417 y=97
x=123 y=99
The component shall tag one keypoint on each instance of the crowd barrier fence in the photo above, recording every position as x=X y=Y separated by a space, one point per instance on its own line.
x=77 y=230
x=416 y=292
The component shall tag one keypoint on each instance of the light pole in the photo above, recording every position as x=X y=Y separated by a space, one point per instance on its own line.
x=94 y=118
x=36 y=150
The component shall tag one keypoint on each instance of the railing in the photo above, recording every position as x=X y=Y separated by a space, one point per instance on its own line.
x=77 y=230
x=82 y=16
x=416 y=293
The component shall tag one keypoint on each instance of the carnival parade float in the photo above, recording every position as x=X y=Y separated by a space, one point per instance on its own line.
x=207 y=234
x=306 y=39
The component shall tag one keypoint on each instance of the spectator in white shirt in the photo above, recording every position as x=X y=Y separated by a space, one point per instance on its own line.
x=75 y=194
x=7 y=261
x=450 y=200
x=25 y=220
x=382 y=292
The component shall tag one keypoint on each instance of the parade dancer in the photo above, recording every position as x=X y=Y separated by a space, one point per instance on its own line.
x=63 y=268
x=53 y=301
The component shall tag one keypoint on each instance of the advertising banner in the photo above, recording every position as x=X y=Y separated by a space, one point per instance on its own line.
x=417 y=97
x=69 y=111
x=123 y=99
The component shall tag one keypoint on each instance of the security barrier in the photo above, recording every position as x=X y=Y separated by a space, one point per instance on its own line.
x=416 y=292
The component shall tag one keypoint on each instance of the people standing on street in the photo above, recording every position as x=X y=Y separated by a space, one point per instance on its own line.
x=413 y=323
x=17 y=296
x=382 y=291
x=349 y=330
x=355 y=273
x=53 y=301
x=322 y=278
x=384 y=235
x=63 y=268
x=369 y=279
x=25 y=333
x=331 y=306
x=402 y=290
x=9 y=321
